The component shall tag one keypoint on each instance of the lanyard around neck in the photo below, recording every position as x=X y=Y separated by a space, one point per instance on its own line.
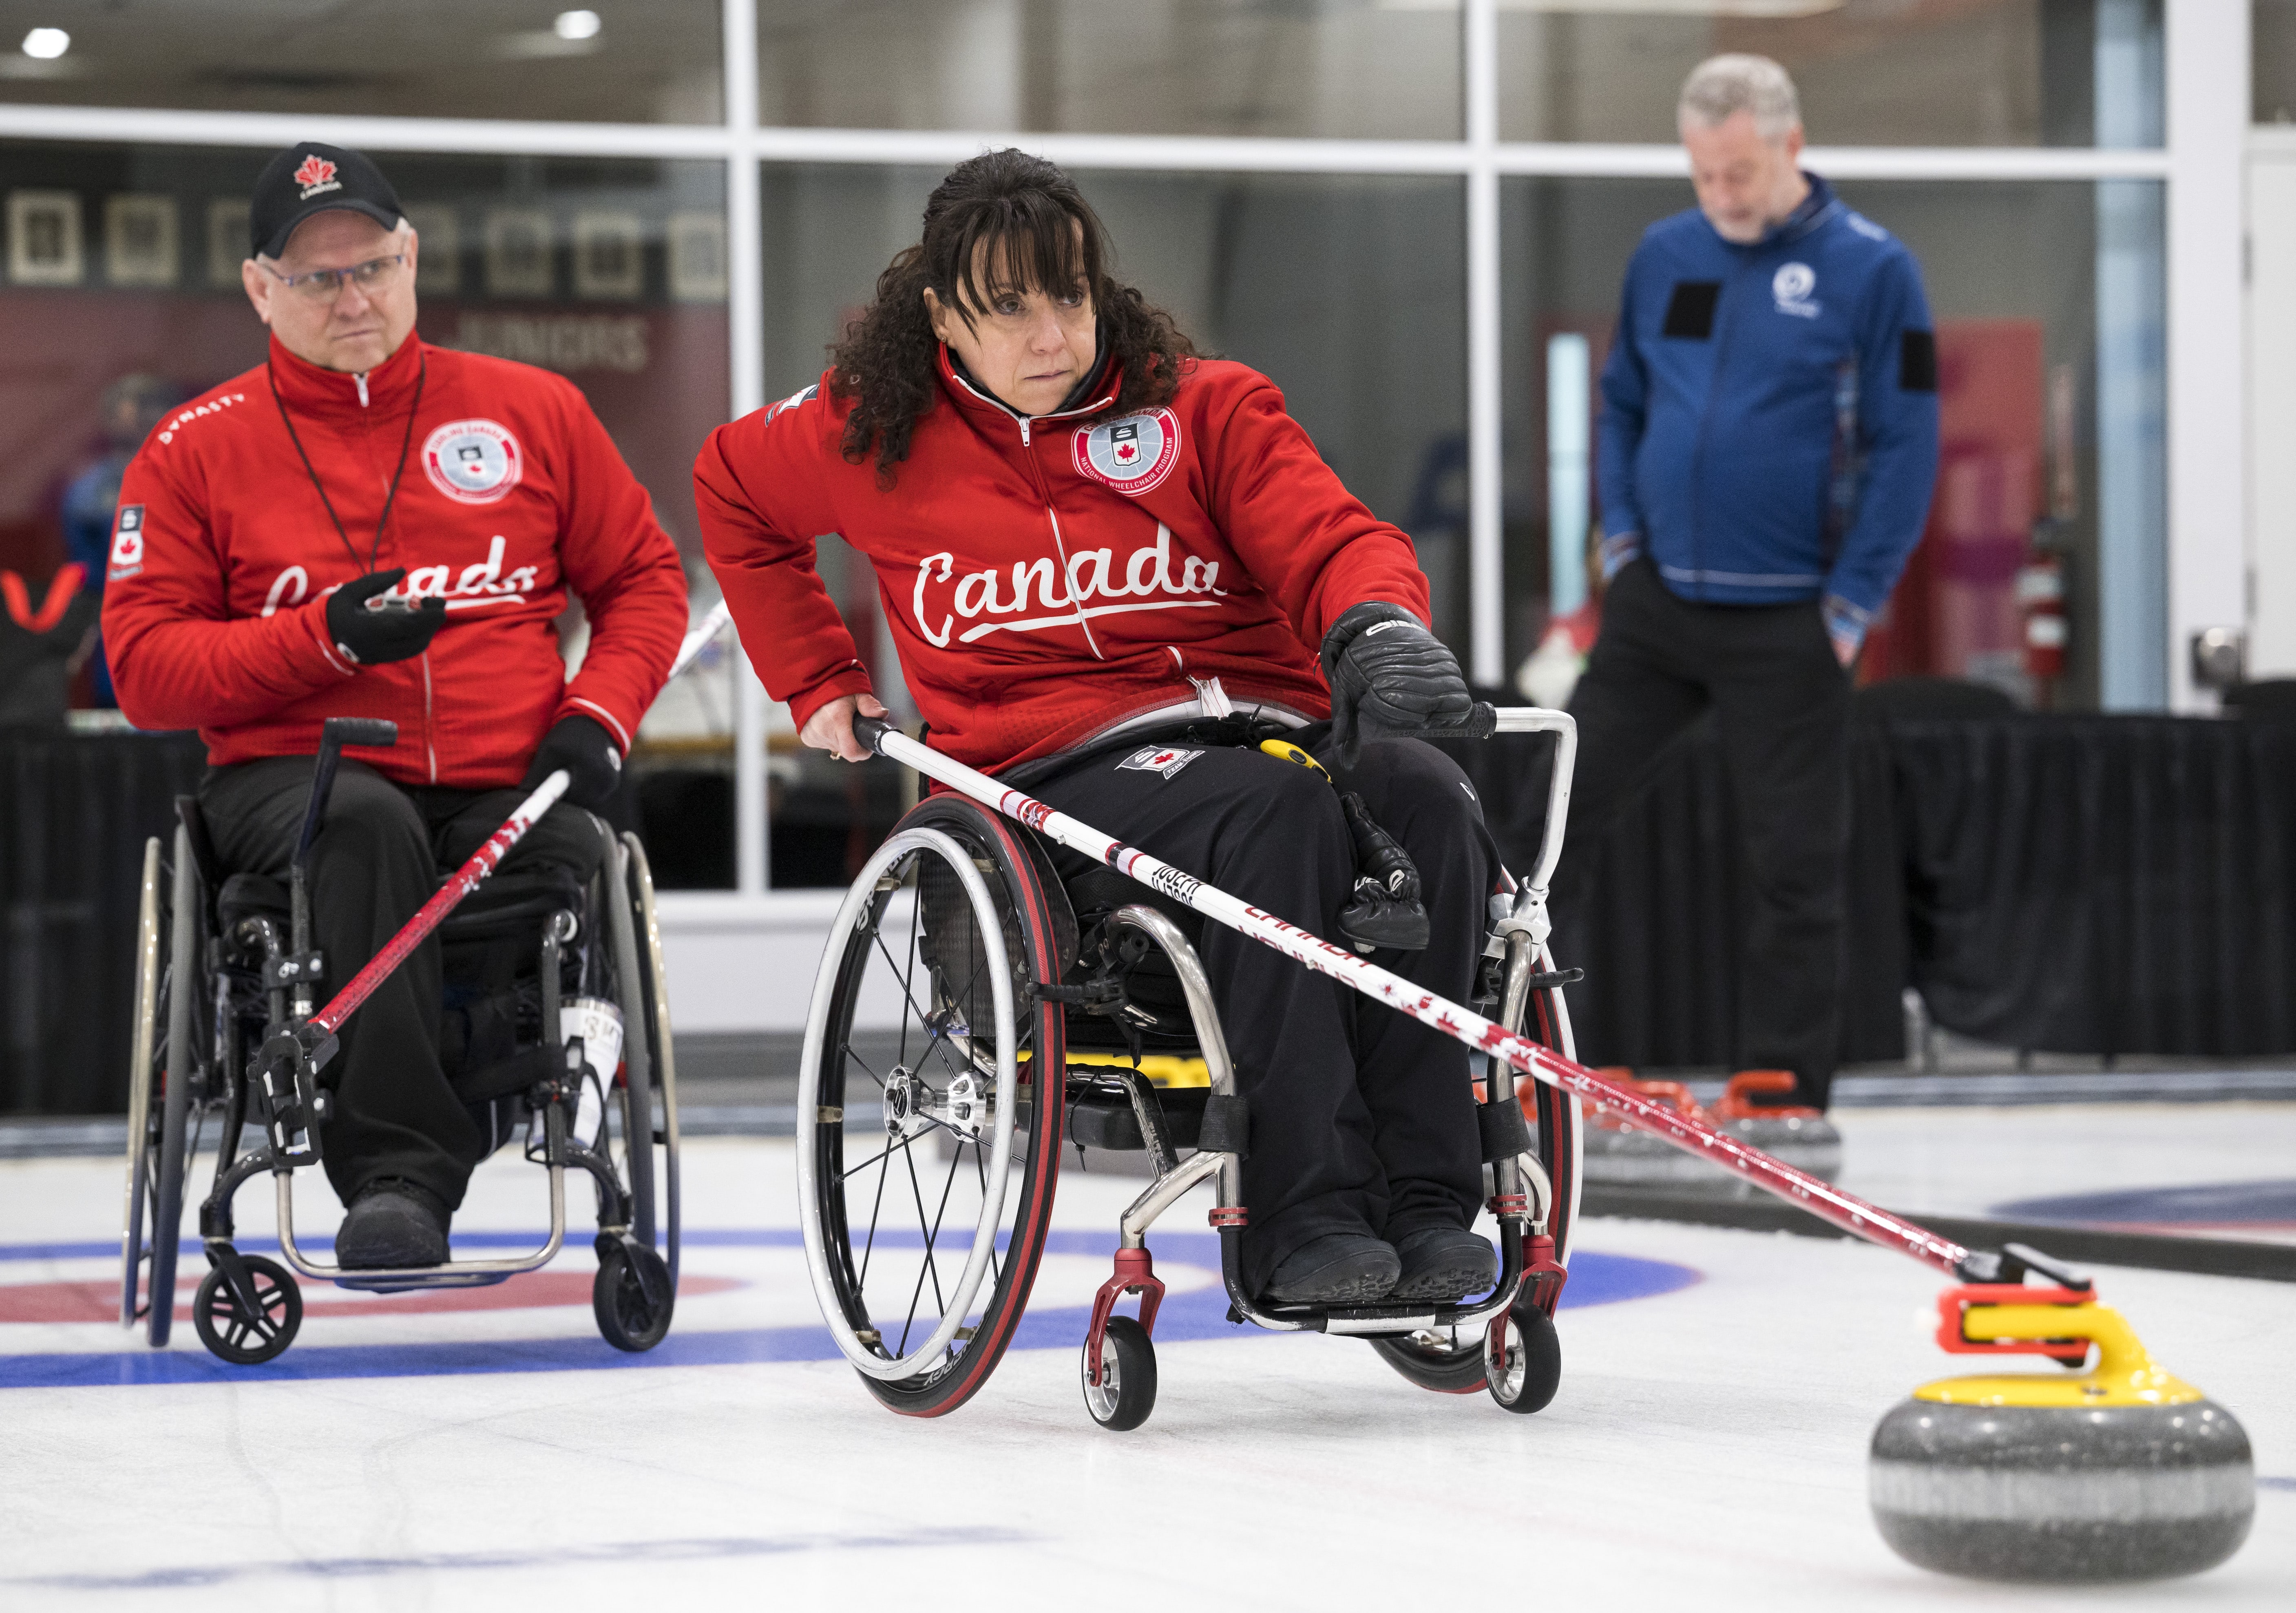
x=375 y=549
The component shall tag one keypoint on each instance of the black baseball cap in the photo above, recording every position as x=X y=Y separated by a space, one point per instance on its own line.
x=309 y=178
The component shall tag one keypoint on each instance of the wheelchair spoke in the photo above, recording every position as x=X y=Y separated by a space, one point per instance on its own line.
x=876 y=1205
x=847 y=1052
x=917 y=1192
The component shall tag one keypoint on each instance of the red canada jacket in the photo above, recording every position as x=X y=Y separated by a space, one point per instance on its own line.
x=1046 y=579
x=223 y=556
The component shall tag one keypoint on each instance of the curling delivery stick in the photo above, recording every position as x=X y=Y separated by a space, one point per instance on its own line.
x=289 y=1064
x=1820 y=1197
x=410 y=935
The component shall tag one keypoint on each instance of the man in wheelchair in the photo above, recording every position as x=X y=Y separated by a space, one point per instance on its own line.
x=1113 y=570
x=368 y=526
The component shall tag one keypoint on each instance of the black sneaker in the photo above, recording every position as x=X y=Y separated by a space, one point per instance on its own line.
x=1338 y=1268
x=1444 y=1262
x=393 y=1223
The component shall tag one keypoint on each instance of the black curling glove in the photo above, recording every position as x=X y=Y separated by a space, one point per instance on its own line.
x=371 y=636
x=587 y=752
x=1389 y=675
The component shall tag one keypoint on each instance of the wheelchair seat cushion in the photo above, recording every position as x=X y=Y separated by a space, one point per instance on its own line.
x=1102 y=1117
x=514 y=903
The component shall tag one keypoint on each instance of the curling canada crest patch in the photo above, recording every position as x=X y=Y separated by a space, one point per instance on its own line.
x=1166 y=759
x=1131 y=454
x=474 y=462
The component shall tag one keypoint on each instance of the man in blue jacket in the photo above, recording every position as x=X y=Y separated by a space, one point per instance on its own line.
x=1768 y=444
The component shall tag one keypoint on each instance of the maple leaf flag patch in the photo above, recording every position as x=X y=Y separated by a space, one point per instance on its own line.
x=1166 y=759
x=316 y=175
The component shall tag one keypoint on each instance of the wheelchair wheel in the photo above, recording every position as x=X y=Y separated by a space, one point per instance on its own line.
x=652 y=989
x=924 y=1223
x=1443 y=1362
x=1524 y=1358
x=144 y=1040
x=1126 y=1390
x=630 y=1317
x=160 y=1146
x=243 y=1335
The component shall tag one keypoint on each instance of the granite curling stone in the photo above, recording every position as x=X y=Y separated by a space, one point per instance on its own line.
x=2123 y=1473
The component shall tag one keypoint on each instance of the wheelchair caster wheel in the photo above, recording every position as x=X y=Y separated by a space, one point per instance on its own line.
x=1126 y=1390
x=234 y=1333
x=628 y=1318
x=1522 y=1358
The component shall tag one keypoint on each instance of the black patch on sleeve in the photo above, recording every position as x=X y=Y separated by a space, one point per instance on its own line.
x=1917 y=362
x=1690 y=311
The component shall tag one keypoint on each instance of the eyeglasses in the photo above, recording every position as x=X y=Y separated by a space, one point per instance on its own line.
x=324 y=285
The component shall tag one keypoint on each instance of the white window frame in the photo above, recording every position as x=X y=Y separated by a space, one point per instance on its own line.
x=2207 y=54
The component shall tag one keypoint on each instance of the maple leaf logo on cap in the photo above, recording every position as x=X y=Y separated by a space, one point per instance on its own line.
x=315 y=171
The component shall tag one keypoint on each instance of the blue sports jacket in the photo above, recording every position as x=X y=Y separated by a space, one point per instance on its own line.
x=1770 y=425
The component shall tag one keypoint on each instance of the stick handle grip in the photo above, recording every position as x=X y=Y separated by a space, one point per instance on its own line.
x=871 y=731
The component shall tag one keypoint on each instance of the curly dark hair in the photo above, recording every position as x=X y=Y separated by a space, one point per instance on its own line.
x=1038 y=232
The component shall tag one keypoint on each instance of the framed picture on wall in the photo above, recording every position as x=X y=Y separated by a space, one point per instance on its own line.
x=439 y=259
x=227 y=246
x=609 y=255
x=43 y=239
x=518 y=252
x=141 y=246
x=697 y=257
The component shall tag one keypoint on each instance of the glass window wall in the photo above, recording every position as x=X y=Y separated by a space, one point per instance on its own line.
x=605 y=61
x=1870 y=72
x=1120 y=66
x=2046 y=298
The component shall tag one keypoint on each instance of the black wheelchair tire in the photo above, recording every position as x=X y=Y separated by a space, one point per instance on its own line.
x=1446 y=1372
x=182 y=987
x=627 y=1318
x=1532 y=1387
x=1022 y=878
x=216 y=1306
x=1128 y=1356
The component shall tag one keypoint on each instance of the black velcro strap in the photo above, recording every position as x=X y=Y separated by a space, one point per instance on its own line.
x=1917 y=361
x=1690 y=311
x=1504 y=1135
x=1226 y=1127
x=515 y=1073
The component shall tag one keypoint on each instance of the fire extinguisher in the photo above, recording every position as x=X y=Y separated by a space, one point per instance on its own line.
x=2041 y=601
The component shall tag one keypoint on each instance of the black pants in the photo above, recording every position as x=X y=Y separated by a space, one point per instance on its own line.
x=376 y=860
x=1782 y=699
x=1361 y=1120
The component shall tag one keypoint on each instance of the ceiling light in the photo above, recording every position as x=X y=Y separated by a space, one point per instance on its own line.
x=576 y=25
x=47 y=44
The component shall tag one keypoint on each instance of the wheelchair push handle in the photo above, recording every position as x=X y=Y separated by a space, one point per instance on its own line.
x=1482 y=721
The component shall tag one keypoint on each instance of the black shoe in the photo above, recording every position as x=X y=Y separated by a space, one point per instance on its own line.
x=393 y=1223
x=1338 y=1268
x=1444 y=1262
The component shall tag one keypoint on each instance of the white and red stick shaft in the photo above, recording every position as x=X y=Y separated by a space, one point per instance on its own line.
x=1820 y=1197
x=695 y=639
x=465 y=880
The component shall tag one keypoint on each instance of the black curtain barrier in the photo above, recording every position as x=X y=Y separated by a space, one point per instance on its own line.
x=75 y=810
x=2087 y=884
x=2121 y=885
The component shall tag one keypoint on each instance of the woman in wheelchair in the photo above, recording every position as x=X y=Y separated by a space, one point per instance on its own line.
x=1113 y=568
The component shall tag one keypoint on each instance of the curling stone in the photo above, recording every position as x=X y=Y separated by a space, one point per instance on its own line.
x=1614 y=1154
x=1794 y=1135
x=2121 y=1473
